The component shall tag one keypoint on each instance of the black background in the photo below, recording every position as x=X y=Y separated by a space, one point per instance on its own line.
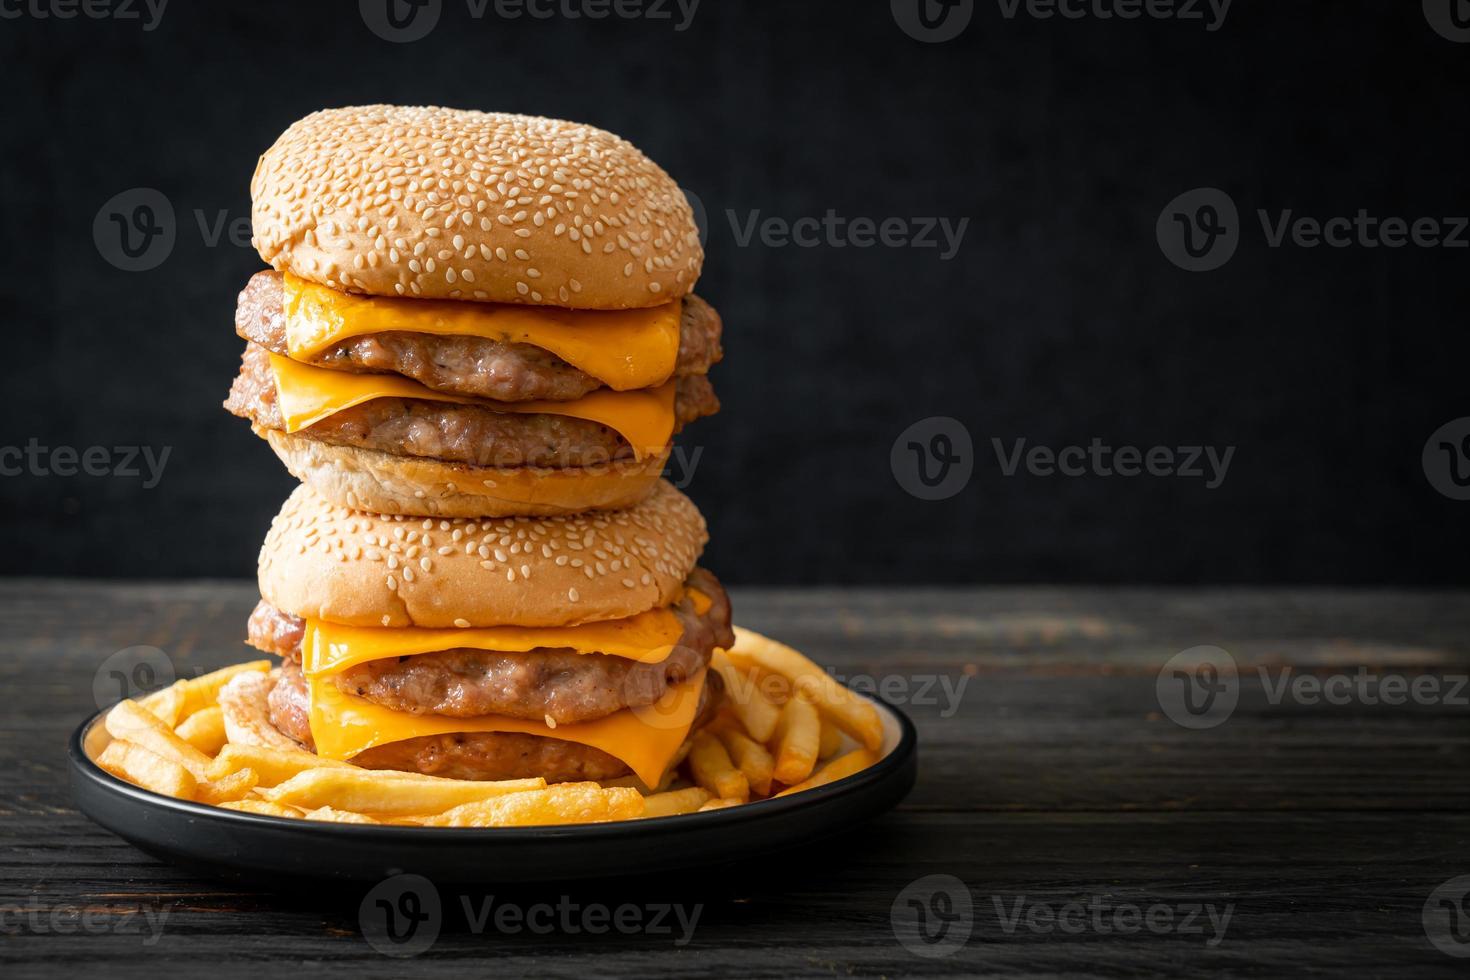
x=1059 y=320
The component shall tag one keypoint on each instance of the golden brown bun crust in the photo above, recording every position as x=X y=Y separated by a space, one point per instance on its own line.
x=320 y=561
x=453 y=204
x=366 y=479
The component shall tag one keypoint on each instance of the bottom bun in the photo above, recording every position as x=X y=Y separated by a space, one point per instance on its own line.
x=382 y=483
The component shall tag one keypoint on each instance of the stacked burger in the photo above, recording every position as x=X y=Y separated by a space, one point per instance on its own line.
x=474 y=347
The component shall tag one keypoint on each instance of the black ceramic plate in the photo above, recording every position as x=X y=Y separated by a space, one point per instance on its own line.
x=250 y=846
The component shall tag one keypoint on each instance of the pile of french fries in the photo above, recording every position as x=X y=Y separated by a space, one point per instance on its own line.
x=785 y=726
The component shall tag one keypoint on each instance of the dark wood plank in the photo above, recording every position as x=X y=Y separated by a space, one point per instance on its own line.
x=1054 y=778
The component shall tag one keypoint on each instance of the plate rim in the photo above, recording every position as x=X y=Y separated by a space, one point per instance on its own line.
x=905 y=750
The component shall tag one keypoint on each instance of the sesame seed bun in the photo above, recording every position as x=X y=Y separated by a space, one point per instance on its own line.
x=452 y=204
x=368 y=479
x=321 y=561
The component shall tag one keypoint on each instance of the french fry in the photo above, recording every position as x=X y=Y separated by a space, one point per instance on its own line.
x=130 y=721
x=202 y=692
x=831 y=739
x=375 y=792
x=563 y=804
x=167 y=705
x=138 y=765
x=236 y=786
x=333 y=815
x=272 y=766
x=263 y=807
x=749 y=755
x=181 y=699
x=204 y=729
x=745 y=698
x=850 y=712
x=798 y=739
x=840 y=767
x=678 y=801
x=711 y=768
x=719 y=804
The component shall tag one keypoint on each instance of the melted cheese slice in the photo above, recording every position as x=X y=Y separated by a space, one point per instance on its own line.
x=308 y=394
x=624 y=349
x=646 y=739
x=649 y=637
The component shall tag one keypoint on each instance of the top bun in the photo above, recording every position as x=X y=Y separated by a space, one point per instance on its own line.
x=452 y=204
x=321 y=561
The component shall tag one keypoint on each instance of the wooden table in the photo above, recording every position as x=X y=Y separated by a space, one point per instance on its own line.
x=1056 y=778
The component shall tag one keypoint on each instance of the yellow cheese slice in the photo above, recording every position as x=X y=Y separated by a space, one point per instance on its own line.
x=308 y=394
x=646 y=739
x=624 y=349
x=649 y=637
